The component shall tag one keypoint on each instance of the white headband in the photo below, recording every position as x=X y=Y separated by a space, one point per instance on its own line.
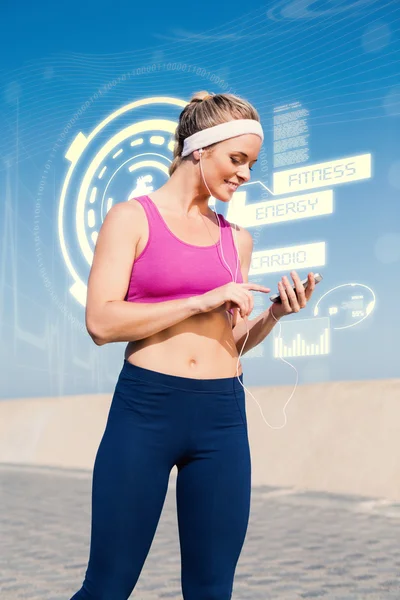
x=221 y=132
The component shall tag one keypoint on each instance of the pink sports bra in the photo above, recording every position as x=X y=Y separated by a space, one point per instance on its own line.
x=168 y=268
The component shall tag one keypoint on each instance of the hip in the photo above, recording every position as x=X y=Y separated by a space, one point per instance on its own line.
x=170 y=403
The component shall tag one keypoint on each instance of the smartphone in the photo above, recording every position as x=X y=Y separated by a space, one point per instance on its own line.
x=277 y=298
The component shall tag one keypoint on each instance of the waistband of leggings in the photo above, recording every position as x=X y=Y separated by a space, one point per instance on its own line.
x=224 y=384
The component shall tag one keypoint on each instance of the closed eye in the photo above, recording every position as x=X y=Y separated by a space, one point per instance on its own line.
x=236 y=162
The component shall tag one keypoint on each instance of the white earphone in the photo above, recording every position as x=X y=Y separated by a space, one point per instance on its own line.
x=201 y=150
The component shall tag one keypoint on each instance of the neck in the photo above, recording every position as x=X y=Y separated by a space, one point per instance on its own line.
x=185 y=195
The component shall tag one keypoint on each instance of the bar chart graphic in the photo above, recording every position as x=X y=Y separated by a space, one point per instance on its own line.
x=304 y=337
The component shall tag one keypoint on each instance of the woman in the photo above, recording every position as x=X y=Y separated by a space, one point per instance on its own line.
x=179 y=400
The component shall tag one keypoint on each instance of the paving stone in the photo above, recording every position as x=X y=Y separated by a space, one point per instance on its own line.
x=298 y=544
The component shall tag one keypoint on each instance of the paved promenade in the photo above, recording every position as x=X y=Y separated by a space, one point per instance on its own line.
x=299 y=544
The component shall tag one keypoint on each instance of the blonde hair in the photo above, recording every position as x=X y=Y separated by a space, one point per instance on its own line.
x=206 y=110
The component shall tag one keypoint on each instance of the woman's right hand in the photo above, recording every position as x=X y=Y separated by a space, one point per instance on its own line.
x=231 y=295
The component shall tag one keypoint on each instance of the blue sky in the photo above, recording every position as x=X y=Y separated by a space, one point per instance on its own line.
x=339 y=60
x=31 y=31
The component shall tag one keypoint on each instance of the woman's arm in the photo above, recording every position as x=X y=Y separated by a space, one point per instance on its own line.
x=109 y=318
x=123 y=321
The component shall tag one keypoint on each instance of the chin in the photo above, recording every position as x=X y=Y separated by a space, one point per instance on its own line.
x=227 y=194
x=223 y=195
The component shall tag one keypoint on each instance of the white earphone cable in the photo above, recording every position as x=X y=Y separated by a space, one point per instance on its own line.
x=245 y=318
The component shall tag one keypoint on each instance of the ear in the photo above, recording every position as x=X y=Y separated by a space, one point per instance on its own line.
x=198 y=153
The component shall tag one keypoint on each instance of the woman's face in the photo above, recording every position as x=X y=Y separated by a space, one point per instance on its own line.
x=230 y=161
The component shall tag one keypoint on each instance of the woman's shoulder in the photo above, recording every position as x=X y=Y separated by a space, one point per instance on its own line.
x=243 y=241
x=123 y=217
x=127 y=208
x=243 y=234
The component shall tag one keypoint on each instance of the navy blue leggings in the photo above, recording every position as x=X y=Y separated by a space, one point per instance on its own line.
x=157 y=421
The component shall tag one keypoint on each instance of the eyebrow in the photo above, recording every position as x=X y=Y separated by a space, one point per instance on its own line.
x=244 y=154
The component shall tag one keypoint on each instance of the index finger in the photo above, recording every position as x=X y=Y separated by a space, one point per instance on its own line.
x=257 y=287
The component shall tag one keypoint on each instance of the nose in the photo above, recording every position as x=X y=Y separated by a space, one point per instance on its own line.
x=244 y=173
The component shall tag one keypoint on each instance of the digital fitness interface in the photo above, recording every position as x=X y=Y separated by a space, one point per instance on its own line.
x=323 y=196
x=128 y=155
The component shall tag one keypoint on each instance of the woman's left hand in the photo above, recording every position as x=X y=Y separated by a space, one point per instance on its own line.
x=292 y=301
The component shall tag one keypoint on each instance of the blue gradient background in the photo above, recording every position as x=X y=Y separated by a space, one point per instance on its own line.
x=340 y=60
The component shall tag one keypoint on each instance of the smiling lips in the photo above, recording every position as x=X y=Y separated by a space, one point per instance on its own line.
x=233 y=186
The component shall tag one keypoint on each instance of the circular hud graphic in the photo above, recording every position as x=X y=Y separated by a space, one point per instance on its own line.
x=126 y=155
x=346 y=305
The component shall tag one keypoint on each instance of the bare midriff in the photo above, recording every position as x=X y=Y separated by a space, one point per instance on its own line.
x=201 y=346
